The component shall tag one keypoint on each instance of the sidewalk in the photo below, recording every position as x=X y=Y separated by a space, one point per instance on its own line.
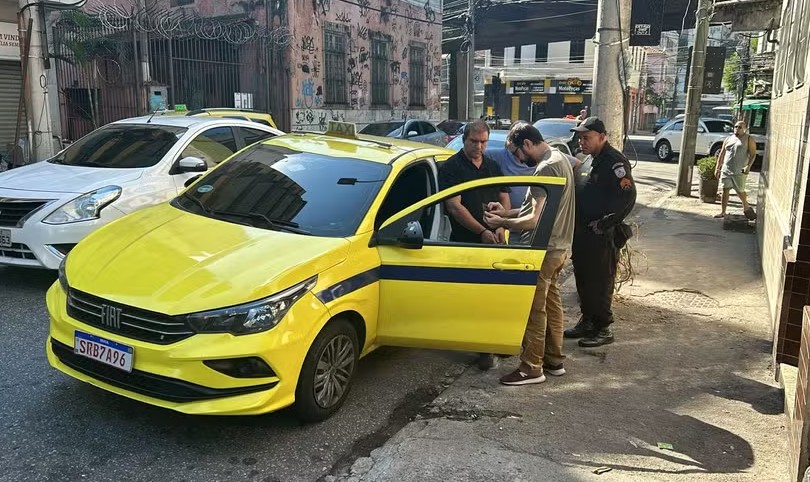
x=690 y=368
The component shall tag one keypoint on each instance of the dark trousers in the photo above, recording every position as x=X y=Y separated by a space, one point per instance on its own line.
x=594 y=258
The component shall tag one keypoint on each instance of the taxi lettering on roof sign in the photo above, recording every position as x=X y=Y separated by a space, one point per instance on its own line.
x=342 y=129
x=342 y=247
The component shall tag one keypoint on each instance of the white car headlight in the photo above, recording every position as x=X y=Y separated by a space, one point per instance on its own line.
x=85 y=207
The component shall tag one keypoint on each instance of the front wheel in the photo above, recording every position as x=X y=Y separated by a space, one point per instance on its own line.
x=715 y=150
x=664 y=151
x=328 y=372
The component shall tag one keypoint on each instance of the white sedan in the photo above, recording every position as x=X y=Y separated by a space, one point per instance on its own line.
x=46 y=208
x=711 y=134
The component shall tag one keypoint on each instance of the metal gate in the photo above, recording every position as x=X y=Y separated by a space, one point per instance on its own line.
x=113 y=64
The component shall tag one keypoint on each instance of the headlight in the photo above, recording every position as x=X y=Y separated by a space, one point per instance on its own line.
x=251 y=317
x=62 y=275
x=85 y=207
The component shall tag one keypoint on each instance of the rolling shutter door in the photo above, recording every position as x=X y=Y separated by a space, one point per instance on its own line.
x=10 y=78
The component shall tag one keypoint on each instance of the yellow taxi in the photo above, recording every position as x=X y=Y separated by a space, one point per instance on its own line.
x=232 y=113
x=265 y=281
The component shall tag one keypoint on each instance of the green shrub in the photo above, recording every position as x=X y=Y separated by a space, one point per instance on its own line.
x=706 y=167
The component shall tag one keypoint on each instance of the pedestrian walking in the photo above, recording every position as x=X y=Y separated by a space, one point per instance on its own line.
x=541 y=350
x=733 y=165
x=466 y=211
x=604 y=197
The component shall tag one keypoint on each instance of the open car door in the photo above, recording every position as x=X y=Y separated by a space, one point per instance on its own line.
x=436 y=293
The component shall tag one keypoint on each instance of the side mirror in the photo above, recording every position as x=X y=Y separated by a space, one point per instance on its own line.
x=412 y=236
x=412 y=134
x=191 y=164
x=701 y=130
x=191 y=180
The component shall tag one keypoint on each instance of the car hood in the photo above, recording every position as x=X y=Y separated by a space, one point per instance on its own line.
x=47 y=177
x=170 y=261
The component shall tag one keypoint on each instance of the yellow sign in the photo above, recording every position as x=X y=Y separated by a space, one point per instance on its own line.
x=573 y=99
x=539 y=98
x=342 y=129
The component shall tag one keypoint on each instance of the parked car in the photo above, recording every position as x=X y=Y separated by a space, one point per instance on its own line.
x=559 y=129
x=711 y=134
x=659 y=123
x=48 y=207
x=452 y=128
x=496 y=122
x=242 y=114
x=261 y=285
x=412 y=130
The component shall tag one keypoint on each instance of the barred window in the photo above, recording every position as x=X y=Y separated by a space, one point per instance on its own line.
x=801 y=58
x=380 y=48
x=334 y=56
x=417 y=75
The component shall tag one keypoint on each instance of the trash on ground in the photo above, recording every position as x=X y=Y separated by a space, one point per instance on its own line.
x=665 y=446
x=601 y=470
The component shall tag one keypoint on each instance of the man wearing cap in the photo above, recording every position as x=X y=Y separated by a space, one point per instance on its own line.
x=604 y=197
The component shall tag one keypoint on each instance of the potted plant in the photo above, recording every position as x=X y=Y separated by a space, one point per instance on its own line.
x=708 y=181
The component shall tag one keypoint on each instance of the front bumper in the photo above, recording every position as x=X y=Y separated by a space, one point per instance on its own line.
x=174 y=376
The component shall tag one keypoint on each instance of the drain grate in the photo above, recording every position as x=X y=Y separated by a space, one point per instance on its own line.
x=684 y=299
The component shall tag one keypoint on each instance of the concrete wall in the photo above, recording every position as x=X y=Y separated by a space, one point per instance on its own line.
x=403 y=21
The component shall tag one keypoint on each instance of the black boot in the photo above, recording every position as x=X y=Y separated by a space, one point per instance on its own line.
x=584 y=327
x=601 y=337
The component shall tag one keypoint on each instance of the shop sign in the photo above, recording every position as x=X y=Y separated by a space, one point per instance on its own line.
x=574 y=85
x=529 y=87
x=9 y=41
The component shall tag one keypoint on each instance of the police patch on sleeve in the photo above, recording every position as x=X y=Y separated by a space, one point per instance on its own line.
x=626 y=184
x=619 y=171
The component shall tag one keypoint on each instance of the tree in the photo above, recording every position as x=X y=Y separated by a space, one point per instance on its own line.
x=732 y=75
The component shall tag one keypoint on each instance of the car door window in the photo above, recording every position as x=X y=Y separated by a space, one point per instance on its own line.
x=252 y=136
x=676 y=127
x=213 y=146
x=414 y=184
x=412 y=127
x=427 y=128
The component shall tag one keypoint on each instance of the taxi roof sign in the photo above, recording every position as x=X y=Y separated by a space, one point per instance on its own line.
x=342 y=129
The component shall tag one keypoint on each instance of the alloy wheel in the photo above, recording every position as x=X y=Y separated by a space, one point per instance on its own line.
x=334 y=370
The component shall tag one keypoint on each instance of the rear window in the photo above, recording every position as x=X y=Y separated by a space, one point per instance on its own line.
x=384 y=129
x=719 y=126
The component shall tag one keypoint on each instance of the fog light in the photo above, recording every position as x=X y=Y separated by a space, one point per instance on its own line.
x=248 y=367
x=64 y=249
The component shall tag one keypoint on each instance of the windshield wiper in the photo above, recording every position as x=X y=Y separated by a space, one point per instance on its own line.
x=277 y=224
x=196 y=201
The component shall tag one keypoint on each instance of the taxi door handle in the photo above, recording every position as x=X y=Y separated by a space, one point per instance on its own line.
x=513 y=266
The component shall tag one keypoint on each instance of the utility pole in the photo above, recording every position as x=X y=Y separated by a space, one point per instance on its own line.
x=744 y=65
x=36 y=88
x=471 y=63
x=609 y=69
x=693 y=94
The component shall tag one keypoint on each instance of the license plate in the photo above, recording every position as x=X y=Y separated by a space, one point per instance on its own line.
x=104 y=351
x=5 y=238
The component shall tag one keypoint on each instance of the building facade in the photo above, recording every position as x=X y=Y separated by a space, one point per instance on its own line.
x=364 y=61
x=10 y=76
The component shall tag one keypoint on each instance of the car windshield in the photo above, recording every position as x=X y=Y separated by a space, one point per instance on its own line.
x=719 y=126
x=384 y=129
x=496 y=140
x=121 y=146
x=274 y=187
x=554 y=128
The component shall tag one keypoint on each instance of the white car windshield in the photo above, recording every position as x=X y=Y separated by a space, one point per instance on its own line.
x=121 y=146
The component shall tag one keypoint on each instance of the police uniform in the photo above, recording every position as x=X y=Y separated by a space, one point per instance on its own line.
x=605 y=195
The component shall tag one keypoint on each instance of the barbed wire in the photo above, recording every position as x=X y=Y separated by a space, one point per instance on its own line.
x=173 y=24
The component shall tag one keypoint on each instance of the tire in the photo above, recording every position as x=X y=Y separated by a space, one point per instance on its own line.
x=663 y=150
x=335 y=349
x=715 y=149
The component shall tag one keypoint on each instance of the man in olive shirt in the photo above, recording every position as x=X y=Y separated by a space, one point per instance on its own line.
x=543 y=341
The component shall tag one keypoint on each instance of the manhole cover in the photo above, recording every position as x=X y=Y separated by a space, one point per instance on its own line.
x=685 y=299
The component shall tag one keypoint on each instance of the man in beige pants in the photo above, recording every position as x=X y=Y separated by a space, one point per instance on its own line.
x=542 y=343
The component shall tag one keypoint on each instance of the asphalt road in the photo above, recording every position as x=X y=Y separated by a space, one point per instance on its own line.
x=56 y=428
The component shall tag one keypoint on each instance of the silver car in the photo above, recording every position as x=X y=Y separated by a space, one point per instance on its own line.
x=412 y=130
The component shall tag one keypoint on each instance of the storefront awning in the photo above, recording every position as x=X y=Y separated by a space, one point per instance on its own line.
x=756 y=104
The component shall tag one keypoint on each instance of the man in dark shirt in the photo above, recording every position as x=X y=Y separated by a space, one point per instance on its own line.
x=467 y=210
x=604 y=197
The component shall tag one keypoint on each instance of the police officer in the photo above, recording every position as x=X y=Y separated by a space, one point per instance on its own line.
x=604 y=197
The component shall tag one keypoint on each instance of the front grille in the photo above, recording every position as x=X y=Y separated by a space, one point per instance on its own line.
x=149 y=384
x=17 y=251
x=12 y=211
x=126 y=320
